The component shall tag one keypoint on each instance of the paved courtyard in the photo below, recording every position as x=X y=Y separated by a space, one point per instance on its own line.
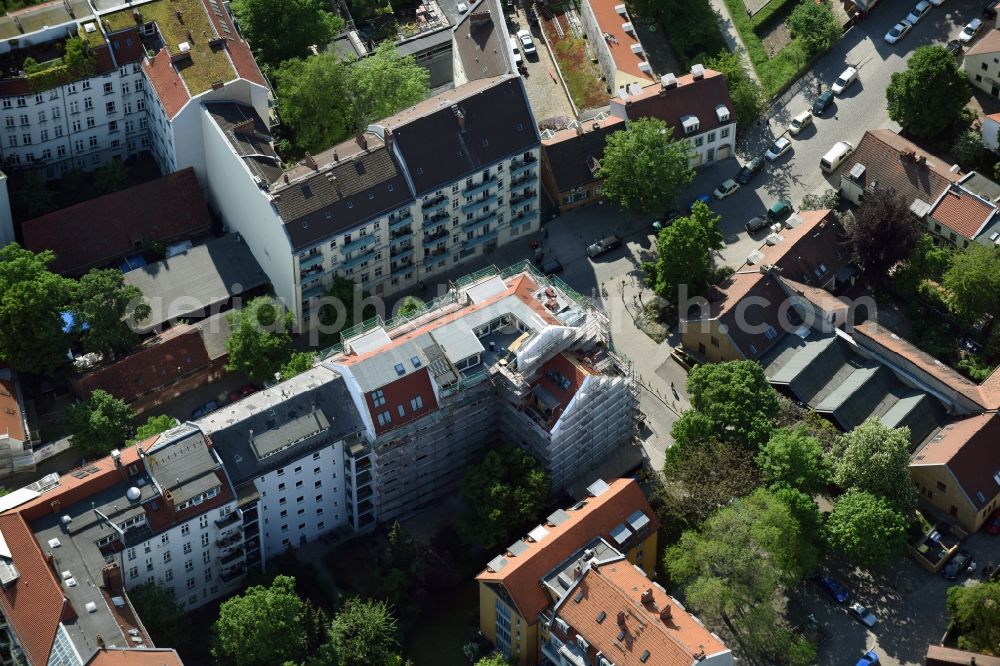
x=545 y=93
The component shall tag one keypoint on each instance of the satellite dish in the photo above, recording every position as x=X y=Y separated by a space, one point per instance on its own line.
x=133 y=494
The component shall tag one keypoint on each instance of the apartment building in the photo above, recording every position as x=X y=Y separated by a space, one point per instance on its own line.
x=522 y=587
x=571 y=161
x=295 y=454
x=446 y=181
x=154 y=62
x=508 y=355
x=71 y=547
x=696 y=105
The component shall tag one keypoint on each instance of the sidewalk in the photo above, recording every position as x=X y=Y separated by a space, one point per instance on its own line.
x=733 y=39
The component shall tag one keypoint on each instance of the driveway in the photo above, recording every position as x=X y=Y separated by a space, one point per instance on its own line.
x=545 y=93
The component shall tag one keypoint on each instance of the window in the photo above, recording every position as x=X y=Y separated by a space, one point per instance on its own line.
x=133 y=572
x=698 y=141
x=416 y=403
x=206 y=557
x=283 y=514
x=7 y=103
x=714 y=341
x=189 y=565
x=300 y=512
x=190 y=583
x=284 y=528
x=86 y=84
x=141 y=105
x=942 y=487
x=131 y=554
x=91 y=122
x=316 y=456
x=281 y=471
x=316 y=470
x=76 y=125
x=9 y=122
x=384 y=418
x=109 y=108
x=300 y=498
x=60 y=150
x=298 y=484
x=401 y=411
x=12 y=141
x=185 y=529
x=22 y=102
x=711 y=137
x=204 y=539
x=113 y=126
x=168 y=575
x=44 y=135
x=318 y=484
x=298 y=470
x=187 y=548
x=282 y=501
x=281 y=486
x=88 y=102
x=149 y=564
x=319 y=498
x=93 y=142
x=108 y=88
x=166 y=557
x=26 y=138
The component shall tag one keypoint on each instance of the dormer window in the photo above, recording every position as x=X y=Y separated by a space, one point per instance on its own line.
x=690 y=124
x=722 y=113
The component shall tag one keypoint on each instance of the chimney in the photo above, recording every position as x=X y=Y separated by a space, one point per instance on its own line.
x=666 y=614
x=577 y=572
x=621 y=618
x=335 y=183
x=647 y=596
x=697 y=71
x=459 y=116
x=55 y=504
x=359 y=137
x=112 y=576
x=667 y=81
x=336 y=157
x=579 y=130
x=388 y=138
x=168 y=502
x=310 y=161
x=284 y=177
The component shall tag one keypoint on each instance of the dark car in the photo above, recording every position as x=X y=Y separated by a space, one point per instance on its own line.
x=242 y=392
x=959 y=563
x=701 y=198
x=823 y=101
x=207 y=408
x=954 y=47
x=779 y=211
x=833 y=589
x=992 y=524
x=749 y=170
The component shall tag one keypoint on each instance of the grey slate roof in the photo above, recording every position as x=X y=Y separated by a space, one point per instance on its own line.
x=256 y=147
x=275 y=416
x=482 y=41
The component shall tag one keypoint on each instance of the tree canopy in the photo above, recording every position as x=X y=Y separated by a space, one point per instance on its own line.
x=794 y=459
x=805 y=511
x=363 y=633
x=684 y=255
x=495 y=659
x=263 y=626
x=99 y=424
x=876 y=459
x=931 y=74
x=973 y=282
x=747 y=97
x=279 y=30
x=975 y=610
x=503 y=493
x=259 y=342
x=409 y=306
x=866 y=528
x=384 y=83
x=32 y=300
x=297 y=364
x=882 y=232
x=162 y=616
x=107 y=312
x=814 y=25
x=829 y=199
x=154 y=425
x=738 y=399
x=643 y=168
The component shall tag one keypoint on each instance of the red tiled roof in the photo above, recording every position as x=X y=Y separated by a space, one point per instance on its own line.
x=521 y=576
x=690 y=97
x=610 y=22
x=11 y=418
x=239 y=53
x=963 y=212
x=938 y=655
x=618 y=588
x=135 y=657
x=399 y=394
x=34 y=604
x=105 y=229
x=127 y=46
x=988 y=43
x=969 y=449
x=881 y=152
x=169 y=86
x=178 y=352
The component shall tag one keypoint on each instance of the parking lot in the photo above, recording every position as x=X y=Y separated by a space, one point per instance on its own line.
x=545 y=93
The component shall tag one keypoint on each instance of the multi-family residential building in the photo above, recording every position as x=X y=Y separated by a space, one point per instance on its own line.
x=71 y=547
x=981 y=62
x=616 y=44
x=446 y=181
x=153 y=63
x=521 y=589
x=571 y=161
x=295 y=454
x=695 y=105
x=506 y=355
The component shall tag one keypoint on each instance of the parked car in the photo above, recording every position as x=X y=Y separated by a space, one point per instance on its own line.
x=595 y=250
x=514 y=51
x=833 y=589
x=862 y=614
x=990 y=10
x=755 y=224
x=725 y=189
x=701 y=198
x=970 y=30
x=800 y=122
x=918 y=12
x=779 y=211
x=958 y=564
x=821 y=102
x=242 y=392
x=937 y=3
x=527 y=44
x=847 y=77
x=898 y=31
x=992 y=524
x=749 y=170
x=868 y=658
x=953 y=47
x=207 y=408
x=778 y=148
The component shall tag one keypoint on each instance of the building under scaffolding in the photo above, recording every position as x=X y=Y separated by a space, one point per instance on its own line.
x=505 y=354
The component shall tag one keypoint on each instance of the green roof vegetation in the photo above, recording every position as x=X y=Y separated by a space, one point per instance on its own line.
x=207 y=65
x=93 y=39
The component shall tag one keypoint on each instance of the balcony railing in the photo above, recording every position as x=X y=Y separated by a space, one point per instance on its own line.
x=478 y=203
x=479 y=240
x=317 y=289
x=358 y=260
x=524 y=218
x=310 y=261
x=406 y=218
x=358 y=243
x=431 y=237
x=530 y=176
x=232 y=573
x=227 y=560
x=435 y=203
x=229 y=519
x=401 y=233
x=480 y=222
x=481 y=187
x=526 y=195
x=229 y=540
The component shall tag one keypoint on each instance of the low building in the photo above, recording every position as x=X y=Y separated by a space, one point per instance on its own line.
x=481 y=43
x=571 y=161
x=15 y=434
x=620 y=54
x=120 y=224
x=955 y=470
x=980 y=62
x=521 y=586
x=696 y=106
x=938 y=655
x=991 y=132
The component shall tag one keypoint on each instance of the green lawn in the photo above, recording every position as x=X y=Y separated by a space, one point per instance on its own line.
x=773 y=72
x=437 y=638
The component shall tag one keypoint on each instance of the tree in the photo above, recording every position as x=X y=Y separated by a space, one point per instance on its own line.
x=317 y=626
x=806 y=513
x=297 y=364
x=876 y=459
x=503 y=493
x=692 y=428
x=866 y=528
x=495 y=659
x=410 y=306
x=975 y=610
x=78 y=57
x=259 y=343
x=927 y=261
x=968 y=148
x=882 y=232
x=384 y=83
x=107 y=311
x=111 y=177
x=261 y=626
x=32 y=300
x=161 y=614
x=828 y=200
x=738 y=399
x=747 y=97
x=684 y=255
x=279 y=30
x=973 y=281
x=363 y=633
x=794 y=459
x=931 y=74
x=99 y=424
x=735 y=565
x=643 y=168
x=154 y=425
x=813 y=24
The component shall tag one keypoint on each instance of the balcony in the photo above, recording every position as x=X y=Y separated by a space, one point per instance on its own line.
x=477 y=224
x=478 y=203
x=481 y=187
x=401 y=252
x=229 y=519
x=436 y=217
x=526 y=178
x=524 y=218
x=314 y=291
x=358 y=244
x=525 y=196
x=437 y=203
x=354 y=262
x=523 y=162
x=438 y=233
x=406 y=218
x=401 y=267
x=479 y=240
x=229 y=575
x=237 y=555
x=310 y=261
x=401 y=233
x=229 y=539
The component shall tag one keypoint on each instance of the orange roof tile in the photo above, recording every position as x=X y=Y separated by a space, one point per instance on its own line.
x=11 y=417
x=988 y=43
x=170 y=89
x=135 y=657
x=618 y=588
x=521 y=576
x=610 y=23
x=963 y=212
x=968 y=447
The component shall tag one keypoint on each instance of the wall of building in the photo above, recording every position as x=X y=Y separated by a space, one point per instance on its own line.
x=6 y=219
x=706 y=341
x=523 y=645
x=945 y=233
x=990 y=132
x=984 y=72
x=714 y=146
x=938 y=487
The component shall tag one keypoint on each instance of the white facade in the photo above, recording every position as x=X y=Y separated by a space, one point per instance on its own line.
x=991 y=128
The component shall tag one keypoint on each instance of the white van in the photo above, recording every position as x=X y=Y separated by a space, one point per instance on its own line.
x=836 y=156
